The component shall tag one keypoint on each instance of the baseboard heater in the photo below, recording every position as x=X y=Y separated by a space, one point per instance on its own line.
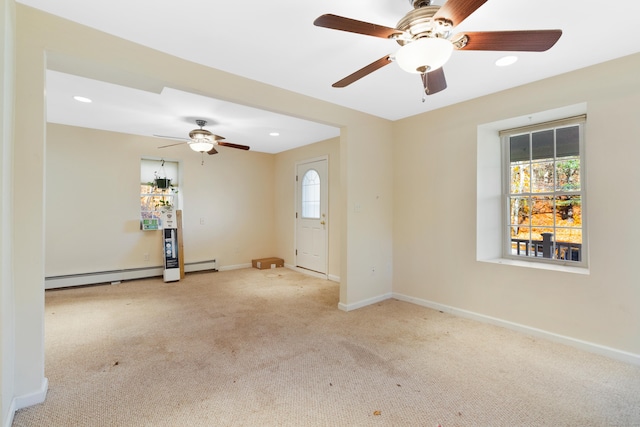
x=82 y=279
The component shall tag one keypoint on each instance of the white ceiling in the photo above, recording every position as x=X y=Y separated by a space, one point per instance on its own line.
x=275 y=42
x=172 y=113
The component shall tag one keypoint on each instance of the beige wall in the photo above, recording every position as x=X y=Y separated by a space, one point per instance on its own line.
x=93 y=203
x=285 y=200
x=435 y=212
x=28 y=221
x=368 y=212
x=7 y=315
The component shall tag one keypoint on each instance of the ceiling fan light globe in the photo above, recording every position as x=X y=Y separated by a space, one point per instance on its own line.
x=428 y=53
x=201 y=145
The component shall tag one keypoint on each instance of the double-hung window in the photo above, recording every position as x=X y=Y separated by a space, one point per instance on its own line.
x=544 y=192
x=153 y=197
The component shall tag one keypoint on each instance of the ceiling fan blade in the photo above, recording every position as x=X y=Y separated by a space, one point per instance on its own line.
x=172 y=145
x=177 y=138
x=524 y=41
x=212 y=151
x=434 y=81
x=456 y=11
x=363 y=72
x=232 y=145
x=336 y=22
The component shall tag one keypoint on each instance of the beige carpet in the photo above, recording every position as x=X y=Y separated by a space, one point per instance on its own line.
x=270 y=348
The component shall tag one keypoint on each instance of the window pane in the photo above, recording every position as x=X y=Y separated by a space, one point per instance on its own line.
x=568 y=243
x=519 y=148
x=519 y=210
x=568 y=141
x=542 y=145
x=522 y=233
x=542 y=177
x=537 y=234
x=147 y=203
x=520 y=178
x=569 y=235
x=569 y=211
x=568 y=174
x=542 y=213
x=311 y=195
x=520 y=240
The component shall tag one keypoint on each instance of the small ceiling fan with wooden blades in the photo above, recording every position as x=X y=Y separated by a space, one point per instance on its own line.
x=203 y=141
x=427 y=42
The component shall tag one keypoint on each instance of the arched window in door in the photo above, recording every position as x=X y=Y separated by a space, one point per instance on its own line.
x=311 y=195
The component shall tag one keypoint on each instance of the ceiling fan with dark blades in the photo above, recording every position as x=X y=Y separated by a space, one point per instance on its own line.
x=426 y=40
x=203 y=141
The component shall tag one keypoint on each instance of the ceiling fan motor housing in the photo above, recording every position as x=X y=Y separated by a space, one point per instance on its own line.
x=419 y=23
x=200 y=134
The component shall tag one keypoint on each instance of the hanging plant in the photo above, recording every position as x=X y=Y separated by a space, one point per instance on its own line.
x=161 y=181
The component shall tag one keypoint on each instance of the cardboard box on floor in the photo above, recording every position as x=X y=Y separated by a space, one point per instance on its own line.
x=265 y=263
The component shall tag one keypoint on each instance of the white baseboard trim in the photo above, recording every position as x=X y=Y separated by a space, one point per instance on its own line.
x=333 y=278
x=116 y=276
x=209 y=265
x=33 y=398
x=82 y=279
x=307 y=272
x=528 y=330
x=364 y=303
x=27 y=400
x=235 y=267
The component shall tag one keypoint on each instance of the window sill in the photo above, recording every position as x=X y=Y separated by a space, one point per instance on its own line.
x=538 y=265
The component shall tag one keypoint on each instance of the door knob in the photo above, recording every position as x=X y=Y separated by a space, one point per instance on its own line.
x=322 y=222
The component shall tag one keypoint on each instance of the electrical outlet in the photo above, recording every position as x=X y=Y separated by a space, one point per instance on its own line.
x=146 y=256
x=201 y=221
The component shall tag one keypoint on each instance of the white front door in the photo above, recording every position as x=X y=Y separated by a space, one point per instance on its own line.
x=311 y=215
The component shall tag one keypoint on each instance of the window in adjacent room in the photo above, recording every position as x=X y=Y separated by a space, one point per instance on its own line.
x=544 y=192
x=153 y=198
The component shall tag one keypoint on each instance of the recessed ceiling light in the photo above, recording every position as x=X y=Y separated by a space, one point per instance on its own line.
x=82 y=99
x=506 y=60
x=274 y=134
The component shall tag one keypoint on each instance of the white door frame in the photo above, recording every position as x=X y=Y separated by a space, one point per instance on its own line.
x=324 y=275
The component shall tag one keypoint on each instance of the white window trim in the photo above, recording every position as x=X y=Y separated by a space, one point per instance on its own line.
x=173 y=169
x=489 y=199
